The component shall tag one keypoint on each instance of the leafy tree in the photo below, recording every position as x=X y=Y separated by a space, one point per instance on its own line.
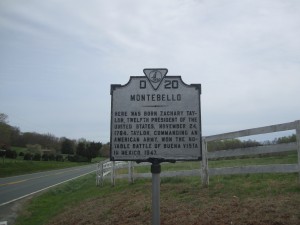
x=12 y=136
x=36 y=148
x=37 y=157
x=28 y=156
x=287 y=139
x=15 y=136
x=67 y=146
x=81 y=149
x=51 y=157
x=5 y=130
x=93 y=150
x=231 y=144
x=45 y=140
x=11 y=154
x=250 y=143
x=88 y=150
x=105 y=150
x=59 y=158
x=45 y=157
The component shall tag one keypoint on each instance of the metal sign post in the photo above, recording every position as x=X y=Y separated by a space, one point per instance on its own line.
x=155 y=170
x=155 y=118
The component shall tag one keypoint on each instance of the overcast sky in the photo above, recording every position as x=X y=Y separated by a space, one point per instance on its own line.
x=58 y=59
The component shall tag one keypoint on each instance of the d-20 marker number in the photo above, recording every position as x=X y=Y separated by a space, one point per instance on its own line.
x=168 y=84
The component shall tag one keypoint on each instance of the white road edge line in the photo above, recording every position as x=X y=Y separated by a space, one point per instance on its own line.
x=21 y=175
x=32 y=193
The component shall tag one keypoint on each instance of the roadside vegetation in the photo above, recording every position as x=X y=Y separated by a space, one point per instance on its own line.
x=258 y=199
x=19 y=167
x=283 y=158
x=27 y=152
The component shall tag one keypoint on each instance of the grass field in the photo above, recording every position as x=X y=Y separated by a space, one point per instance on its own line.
x=243 y=199
x=260 y=199
x=18 y=166
x=13 y=167
x=290 y=158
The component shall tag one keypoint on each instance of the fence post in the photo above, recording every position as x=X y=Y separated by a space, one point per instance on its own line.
x=97 y=175
x=113 y=173
x=298 y=144
x=101 y=173
x=204 y=165
x=130 y=172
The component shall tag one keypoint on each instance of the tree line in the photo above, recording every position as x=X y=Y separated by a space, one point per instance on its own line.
x=46 y=146
x=83 y=150
x=236 y=143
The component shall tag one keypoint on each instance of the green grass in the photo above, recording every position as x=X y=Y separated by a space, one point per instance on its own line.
x=12 y=167
x=266 y=160
x=42 y=208
x=18 y=166
x=98 y=159
x=182 y=190
x=255 y=185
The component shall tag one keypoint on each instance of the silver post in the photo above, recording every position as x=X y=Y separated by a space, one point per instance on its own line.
x=155 y=170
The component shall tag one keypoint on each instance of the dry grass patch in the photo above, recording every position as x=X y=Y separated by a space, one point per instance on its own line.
x=184 y=202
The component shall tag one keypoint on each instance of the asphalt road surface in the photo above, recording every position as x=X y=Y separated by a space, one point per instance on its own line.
x=18 y=187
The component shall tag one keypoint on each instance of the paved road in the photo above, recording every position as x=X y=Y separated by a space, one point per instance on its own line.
x=18 y=187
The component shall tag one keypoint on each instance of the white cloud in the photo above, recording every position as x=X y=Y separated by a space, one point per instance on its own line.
x=245 y=54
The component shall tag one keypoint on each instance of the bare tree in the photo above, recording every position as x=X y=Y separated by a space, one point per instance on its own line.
x=3 y=118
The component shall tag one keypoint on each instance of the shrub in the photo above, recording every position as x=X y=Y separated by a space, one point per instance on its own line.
x=51 y=157
x=59 y=158
x=11 y=154
x=77 y=158
x=45 y=157
x=28 y=156
x=37 y=157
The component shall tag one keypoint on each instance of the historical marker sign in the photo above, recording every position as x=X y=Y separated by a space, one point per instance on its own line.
x=155 y=116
